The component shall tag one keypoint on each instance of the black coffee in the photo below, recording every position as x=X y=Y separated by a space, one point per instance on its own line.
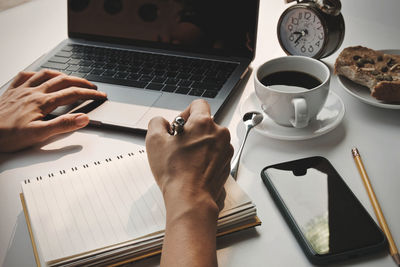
x=291 y=78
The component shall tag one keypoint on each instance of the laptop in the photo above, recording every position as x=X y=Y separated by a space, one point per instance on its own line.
x=154 y=57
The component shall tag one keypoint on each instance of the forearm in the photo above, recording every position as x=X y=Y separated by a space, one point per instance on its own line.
x=190 y=238
x=191 y=170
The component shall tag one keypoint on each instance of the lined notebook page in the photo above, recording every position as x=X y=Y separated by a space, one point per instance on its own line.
x=98 y=204
x=94 y=205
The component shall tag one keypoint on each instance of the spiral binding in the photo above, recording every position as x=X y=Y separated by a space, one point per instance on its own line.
x=84 y=166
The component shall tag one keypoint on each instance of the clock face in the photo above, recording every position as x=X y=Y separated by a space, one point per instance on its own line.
x=301 y=32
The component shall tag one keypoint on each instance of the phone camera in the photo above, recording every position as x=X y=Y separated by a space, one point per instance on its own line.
x=300 y=172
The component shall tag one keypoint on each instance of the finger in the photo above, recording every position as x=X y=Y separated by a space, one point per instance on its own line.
x=41 y=77
x=185 y=114
x=196 y=107
x=71 y=95
x=43 y=130
x=63 y=81
x=158 y=125
x=22 y=77
x=199 y=107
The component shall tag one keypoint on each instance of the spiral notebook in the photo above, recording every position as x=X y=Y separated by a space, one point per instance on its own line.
x=109 y=212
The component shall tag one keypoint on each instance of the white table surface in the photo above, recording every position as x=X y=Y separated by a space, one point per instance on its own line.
x=30 y=30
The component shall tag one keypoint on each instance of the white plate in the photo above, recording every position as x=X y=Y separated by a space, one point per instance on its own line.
x=363 y=92
x=327 y=120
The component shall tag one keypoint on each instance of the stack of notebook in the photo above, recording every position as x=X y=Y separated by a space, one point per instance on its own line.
x=109 y=212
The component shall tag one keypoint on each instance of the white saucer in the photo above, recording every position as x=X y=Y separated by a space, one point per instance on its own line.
x=363 y=93
x=330 y=116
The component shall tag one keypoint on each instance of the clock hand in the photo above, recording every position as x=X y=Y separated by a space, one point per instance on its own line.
x=298 y=38
x=302 y=33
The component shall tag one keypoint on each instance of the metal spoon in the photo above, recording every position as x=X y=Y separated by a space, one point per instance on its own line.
x=250 y=120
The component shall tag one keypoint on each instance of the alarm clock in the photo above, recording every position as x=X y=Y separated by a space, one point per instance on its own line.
x=311 y=28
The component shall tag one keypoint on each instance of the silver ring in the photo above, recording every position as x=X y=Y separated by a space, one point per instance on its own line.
x=177 y=125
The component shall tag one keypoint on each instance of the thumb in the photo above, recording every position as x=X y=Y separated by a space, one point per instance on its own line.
x=62 y=124
x=158 y=125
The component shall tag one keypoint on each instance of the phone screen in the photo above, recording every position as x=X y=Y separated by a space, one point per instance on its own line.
x=329 y=216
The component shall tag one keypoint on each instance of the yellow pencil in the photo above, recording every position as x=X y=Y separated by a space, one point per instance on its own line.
x=375 y=204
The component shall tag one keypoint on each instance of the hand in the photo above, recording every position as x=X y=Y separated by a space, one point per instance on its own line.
x=193 y=163
x=30 y=97
x=191 y=169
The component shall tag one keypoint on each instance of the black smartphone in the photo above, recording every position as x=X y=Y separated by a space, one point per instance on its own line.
x=327 y=219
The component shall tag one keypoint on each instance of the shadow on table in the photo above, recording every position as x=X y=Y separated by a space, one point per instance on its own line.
x=19 y=251
x=237 y=237
x=329 y=140
x=36 y=154
x=376 y=115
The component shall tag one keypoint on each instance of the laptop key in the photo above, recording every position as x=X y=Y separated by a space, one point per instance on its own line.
x=134 y=76
x=98 y=65
x=171 y=74
x=73 y=68
x=77 y=55
x=155 y=86
x=202 y=85
x=134 y=69
x=122 y=68
x=210 y=93
x=54 y=65
x=196 y=78
x=185 y=83
x=170 y=88
x=160 y=66
x=59 y=59
x=146 y=71
x=182 y=90
x=183 y=76
x=110 y=66
x=121 y=75
x=66 y=72
x=86 y=63
x=199 y=72
x=97 y=71
x=148 y=65
x=64 y=54
x=85 y=69
x=196 y=92
x=67 y=48
x=159 y=72
x=172 y=81
x=98 y=78
x=146 y=78
x=212 y=80
x=74 y=61
x=78 y=74
x=158 y=79
x=109 y=73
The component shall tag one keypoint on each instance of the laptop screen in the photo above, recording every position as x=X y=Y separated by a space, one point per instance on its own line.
x=225 y=27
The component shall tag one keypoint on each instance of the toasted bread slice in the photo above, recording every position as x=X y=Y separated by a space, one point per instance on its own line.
x=378 y=71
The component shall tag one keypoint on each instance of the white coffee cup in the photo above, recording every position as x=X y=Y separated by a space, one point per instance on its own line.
x=292 y=105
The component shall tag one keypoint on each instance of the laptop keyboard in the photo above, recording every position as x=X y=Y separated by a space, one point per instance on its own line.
x=181 y=75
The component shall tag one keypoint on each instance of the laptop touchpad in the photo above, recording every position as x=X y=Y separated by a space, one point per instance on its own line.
x=125 y=106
